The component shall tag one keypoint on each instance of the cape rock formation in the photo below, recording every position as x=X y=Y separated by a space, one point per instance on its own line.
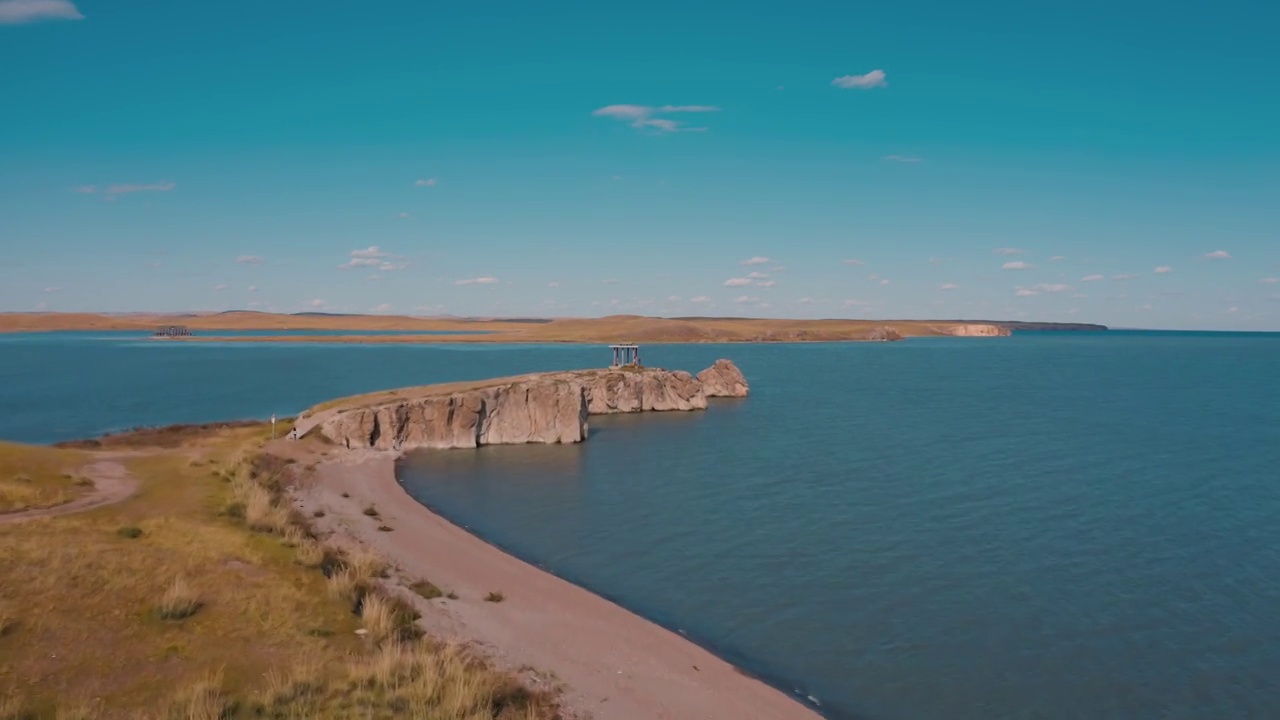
x=539 y=408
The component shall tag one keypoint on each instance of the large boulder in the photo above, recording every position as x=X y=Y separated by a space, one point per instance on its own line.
x=723 y=379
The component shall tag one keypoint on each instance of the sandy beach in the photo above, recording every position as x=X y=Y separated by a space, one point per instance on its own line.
x=609 y=662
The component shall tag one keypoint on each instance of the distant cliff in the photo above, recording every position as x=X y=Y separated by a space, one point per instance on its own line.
x=540 y=408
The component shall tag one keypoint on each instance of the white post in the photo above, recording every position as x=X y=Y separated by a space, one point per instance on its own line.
x=273 y=426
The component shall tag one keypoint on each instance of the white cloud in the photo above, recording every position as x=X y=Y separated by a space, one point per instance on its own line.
x=87 y=189
x=389 y=266
x=673 y=298
x=873 y=79
x=856 y=303
x=948 y=286
x=1124 y=276
x=252 y=288
x=767 y=283
x=1233 y=310
x=1145 y=307
x=18 y=12
x=884 y=281
x=611 y=281
x=553 y=284
x=428 y=182
x=700 y=299
x=125 y=188
x=757 y=275
x=373 y=257
x=1057 y=258
x=1007 y=251
x=737 y=282
x=405 y=215
x=854 y=262
x=248 y=260
x=1016 y=265
x=757 y=260
x=316 y=303
x=642 y=116
x=42 y=306
x=384 y=307
x=806 y=301
x=52 y=289
x=910 y=159
x=1269 y=281
x=1217 y=255
x=1092 y=278
x=744 y=299
x=936 y=261
x=220 y=287
x=486 y=280
x=373 y=251
x=1051 y=287
x=356 y=262
x=1161 y=270
x=1026 y=292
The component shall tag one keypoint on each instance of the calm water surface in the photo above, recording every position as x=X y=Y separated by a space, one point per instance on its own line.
x=1044 y=526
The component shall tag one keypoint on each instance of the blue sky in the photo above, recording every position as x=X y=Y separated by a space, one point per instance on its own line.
x=1108 y=162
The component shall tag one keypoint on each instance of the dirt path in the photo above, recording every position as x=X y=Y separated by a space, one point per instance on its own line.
x=111 y=484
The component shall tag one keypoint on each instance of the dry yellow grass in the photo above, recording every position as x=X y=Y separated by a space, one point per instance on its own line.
x=83 y=611
x=36 y=477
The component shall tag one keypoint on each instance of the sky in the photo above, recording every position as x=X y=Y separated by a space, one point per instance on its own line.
x=1114 y=162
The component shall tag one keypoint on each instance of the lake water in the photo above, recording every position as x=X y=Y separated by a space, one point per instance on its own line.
x=1043 y=526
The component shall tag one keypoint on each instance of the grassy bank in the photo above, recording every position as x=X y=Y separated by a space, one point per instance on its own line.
x=203 y=596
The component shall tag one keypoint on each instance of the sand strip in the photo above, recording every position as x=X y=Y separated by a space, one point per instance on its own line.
x=614 y=665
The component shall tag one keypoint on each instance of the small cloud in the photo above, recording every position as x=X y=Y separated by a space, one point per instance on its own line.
x=384 y=307
x=1051 y=287
x=248 y=260
x=767 y=283
x=405 y=215
x=1092 y=278
x=854 y=262
x=611 y=281
x=390 y=266
x=553 y=284
x=778 y=268
x=427 y=182
x=884 y=281
x=373 y=251
x=1161 y=270
x=52 y=289
x=757 y=275
x=373 y=257
x=673 y=298
x=220 y=287
x=911 y=159
x=316 y=303
x=737 y=282
x=1007 y=251
x=42 y=306
x=756 y=261
x=126 y=188
x=856 y=303
x=700 y=299
x=1026 y=292
x=1124 y=276
x=1270 y=281
x=642 y=116
x=936 y=261
x=252 y=288
x=19 y=12
x=946 y=287
x=744 y=299
x=1057 y=258
x=1016 y=265
x=1233 y=311
x=486 y=280
x=806 y=301
x=87 y=189
x=1217 y=255
x=873 y=79
x=1145 y=307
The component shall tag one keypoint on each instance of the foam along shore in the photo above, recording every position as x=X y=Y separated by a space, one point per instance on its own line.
x=538 y=408
x=610 y=662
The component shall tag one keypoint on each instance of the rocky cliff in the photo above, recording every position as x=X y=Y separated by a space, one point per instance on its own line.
x=977 y=330
x=540 y=408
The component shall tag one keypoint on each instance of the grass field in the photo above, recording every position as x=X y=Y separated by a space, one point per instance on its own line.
x=202 y=596
x=35 y=477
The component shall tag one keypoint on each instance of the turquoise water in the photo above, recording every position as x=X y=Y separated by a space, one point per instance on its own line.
x=1044 y=526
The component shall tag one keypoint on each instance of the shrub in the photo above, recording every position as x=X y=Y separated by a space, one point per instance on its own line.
x=426 y=589
x=495 y=597
x=317 y=513
x=371 y=511
x=179 y=602
x=384 y=528
x=130 y=532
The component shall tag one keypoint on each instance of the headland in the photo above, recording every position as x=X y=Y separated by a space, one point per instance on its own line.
x=616 y=328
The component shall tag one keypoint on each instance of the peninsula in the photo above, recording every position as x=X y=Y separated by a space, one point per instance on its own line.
x=615 y=328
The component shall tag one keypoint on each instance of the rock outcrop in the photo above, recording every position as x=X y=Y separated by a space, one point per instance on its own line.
x=723 y=379
x=540 y=408
x=977 y=330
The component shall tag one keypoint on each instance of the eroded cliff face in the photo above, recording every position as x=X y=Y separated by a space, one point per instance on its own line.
x=977 y=330
x=542 y=408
